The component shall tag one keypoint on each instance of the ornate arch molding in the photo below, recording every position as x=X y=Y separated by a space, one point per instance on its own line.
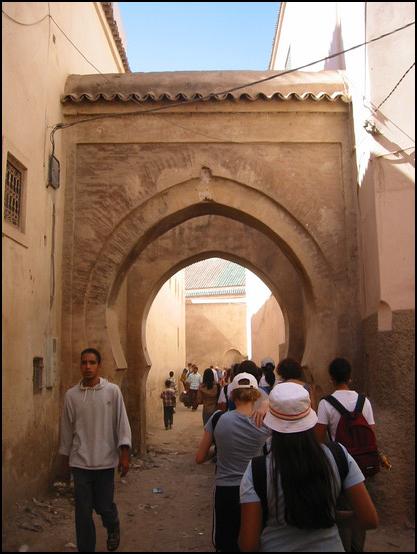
x=192 y=198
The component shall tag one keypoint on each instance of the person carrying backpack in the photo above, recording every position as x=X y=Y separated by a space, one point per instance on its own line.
x=238 y=439
x=347 y=418
x=302 y=480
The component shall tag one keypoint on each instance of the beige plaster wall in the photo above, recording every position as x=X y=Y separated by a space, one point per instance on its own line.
x=268 y=331
x=384 y=159
x=212 y=329
x=383 y=95
x=165 y=339
x=36 y=61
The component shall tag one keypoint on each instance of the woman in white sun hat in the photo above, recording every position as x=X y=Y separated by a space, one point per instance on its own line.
x=302 y=483
x=238 y=439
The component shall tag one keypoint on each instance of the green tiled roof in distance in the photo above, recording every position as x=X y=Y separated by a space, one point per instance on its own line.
x=214 y=273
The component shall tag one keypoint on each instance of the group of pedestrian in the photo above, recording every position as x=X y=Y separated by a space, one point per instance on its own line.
x=280 y=485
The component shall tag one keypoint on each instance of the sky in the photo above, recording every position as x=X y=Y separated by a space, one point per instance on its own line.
x=199 y=36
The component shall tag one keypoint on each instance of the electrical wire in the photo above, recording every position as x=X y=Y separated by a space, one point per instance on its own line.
x=62 y=31
x=228 y=91
x=211 y=95
x=396 y=86
x=24 y=24
x=78 y=50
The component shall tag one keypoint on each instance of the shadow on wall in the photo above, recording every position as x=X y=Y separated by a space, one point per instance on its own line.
x=338 y=62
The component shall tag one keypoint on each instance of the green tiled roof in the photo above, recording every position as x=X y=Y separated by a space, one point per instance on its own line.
x=214 y=273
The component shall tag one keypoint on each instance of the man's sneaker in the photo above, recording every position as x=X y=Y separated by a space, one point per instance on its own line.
x=113 y=539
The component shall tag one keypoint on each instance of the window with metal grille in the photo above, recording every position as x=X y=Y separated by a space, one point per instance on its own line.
x=13 y=196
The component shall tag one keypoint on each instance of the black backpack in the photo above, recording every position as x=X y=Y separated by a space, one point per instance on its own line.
x=259 y=475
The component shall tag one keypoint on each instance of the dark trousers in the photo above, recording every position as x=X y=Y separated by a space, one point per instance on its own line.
x=93 y=490
x=192 y=393
x=168 y=416
x=226 y=519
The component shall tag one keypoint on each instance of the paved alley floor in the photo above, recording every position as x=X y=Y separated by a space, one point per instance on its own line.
x=165 y=503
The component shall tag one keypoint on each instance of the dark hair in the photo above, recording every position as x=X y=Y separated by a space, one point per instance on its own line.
x=92 y=351
x=208 y=378
x=168 y=383
x=234 y=370
x=340 y=370
x=288 y=368
x=248 y=366
x=171 y=374
x=268 y=371
x=307 y=480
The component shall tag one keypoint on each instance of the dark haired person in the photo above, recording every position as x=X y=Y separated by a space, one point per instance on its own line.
x=95 y=438
x=267 y=380
x=207 y=394
x=169 y=402
x=238 y=439
x=302 y=481
x=291 y=371
x=328 y=418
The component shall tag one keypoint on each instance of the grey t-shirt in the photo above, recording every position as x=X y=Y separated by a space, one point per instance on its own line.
x=281 y=537
x=238 y=439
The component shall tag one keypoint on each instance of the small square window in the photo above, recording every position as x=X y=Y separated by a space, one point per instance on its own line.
x=37 y=375
x=13 y=194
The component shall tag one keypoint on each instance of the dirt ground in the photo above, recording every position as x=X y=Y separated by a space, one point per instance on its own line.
x=177 y=518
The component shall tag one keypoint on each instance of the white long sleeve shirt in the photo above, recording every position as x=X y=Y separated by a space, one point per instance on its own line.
x=94 y=425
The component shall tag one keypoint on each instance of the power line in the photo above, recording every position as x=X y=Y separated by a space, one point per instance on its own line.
x=25 y=24
x=386 y=98
x=62 y=31
x=209 y=96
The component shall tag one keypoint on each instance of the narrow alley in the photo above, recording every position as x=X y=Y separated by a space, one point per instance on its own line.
x=165 y=504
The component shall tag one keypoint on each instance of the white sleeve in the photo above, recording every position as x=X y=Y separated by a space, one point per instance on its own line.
x=66 y=429
x=222 y=397
x=124 y=434
x=368 y=413
x=247 y=490
x=322 y=413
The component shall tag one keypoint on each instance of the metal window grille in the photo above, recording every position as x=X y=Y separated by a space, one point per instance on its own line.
x=13 y=195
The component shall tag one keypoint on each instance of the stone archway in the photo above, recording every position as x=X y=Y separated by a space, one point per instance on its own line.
x=284 y=177
x=178 y=204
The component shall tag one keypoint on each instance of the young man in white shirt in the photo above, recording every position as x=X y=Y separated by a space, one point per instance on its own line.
x=353 y=537
x=95 y=438
x=194 y=380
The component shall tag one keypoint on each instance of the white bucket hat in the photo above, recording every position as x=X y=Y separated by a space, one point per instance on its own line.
x=237 y=382
x=290 y=409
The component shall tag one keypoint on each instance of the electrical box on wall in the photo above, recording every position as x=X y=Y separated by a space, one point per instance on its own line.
x=51 y=361
x=53 y=177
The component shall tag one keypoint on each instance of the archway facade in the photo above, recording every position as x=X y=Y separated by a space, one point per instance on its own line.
x=267 y=183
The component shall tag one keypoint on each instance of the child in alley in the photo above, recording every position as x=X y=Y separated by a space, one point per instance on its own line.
x=169 y=402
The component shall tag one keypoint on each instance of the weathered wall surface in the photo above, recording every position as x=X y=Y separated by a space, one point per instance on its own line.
x=258 y=183
x=36 y=62
x=213 y=329
x=381 y=80
x=165 y=338
x=388 y=376
x=268 y=332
